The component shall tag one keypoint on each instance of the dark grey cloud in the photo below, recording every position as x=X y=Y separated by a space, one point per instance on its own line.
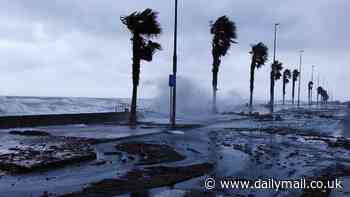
x=80 y=48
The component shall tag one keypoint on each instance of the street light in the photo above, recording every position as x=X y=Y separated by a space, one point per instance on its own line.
x=272 y=91
x=301 y=56
x=173 y=88
x=274 y=43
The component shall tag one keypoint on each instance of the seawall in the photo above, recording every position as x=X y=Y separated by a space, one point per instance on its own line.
x=7 y=122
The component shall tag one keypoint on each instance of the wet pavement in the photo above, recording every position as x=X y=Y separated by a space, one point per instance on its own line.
x=300 y=143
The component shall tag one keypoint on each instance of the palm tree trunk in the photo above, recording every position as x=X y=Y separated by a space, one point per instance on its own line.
x=293 y=91
x=214 y=101
x=135 y=76
x=216 y=64
x=215 y=79
x=272 y=92
x=252 y=70
x=284 y=91
x=133 y=116
x=311 y=94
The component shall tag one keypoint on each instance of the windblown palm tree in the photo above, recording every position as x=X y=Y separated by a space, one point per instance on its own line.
x=224 y=32
x=310 y=85
x=259 y=54
x=276 y=74
x=323 y=93
x=325 y=97
x=143 y=26
x=318 y=93
x=294 y=79
x=286 y=77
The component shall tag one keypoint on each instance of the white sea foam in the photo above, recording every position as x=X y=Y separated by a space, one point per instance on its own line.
x=55 y=105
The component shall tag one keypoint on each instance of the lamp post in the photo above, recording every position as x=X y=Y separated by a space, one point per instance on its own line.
x=173 y=95
x=300 y=62
x=272 y=86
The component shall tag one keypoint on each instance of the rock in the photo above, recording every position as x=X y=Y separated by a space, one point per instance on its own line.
x=99 y=163
x=262 y=117
x=278 y=118
x=226 y=144
x=30 y=133
x=143 y=179
x=45 y=194
x=317 y=192
x=326 y=116
x=131 y=157
x=150 y=153
x=112 y=153
x=38 y=157
x=340 y=142
x=124 y=159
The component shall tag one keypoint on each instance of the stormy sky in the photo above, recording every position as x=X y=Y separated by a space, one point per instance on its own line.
x=80 y=48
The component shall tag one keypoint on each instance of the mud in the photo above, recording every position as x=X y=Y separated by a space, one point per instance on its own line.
x=139 y=180
x=151 y=153
x=52 y=152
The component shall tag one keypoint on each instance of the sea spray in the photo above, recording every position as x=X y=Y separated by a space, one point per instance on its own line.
x=231 y=101
x=192 y=100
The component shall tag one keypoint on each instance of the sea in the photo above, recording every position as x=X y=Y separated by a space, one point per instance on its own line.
x=18 y=105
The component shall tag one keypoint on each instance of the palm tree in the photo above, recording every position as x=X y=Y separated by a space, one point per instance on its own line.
x=259 y=54
x=143 y=26
x=325 y=97
x=323 y=93
x=276 y=74
x=310 y=85
x=286 y=77
x=319 y=92
x=224 y=32
x=294 y=79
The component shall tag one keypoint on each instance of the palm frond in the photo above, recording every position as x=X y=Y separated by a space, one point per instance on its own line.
x=286 y=75
x=260 y=54
x=319 y=90
x=310 y=85
x=323 y=93
x=276 y=69
x=295 y=75
x=224 y=32
x=143 y=23
x=147 y=50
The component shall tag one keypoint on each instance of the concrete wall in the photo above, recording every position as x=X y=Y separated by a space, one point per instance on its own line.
x=61 y=119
